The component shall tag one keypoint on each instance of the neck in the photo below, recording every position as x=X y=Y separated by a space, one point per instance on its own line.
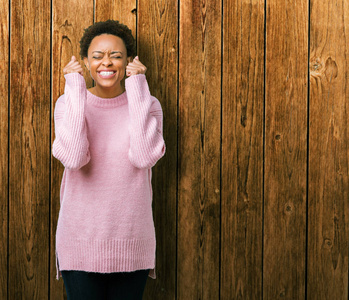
x=107 y=92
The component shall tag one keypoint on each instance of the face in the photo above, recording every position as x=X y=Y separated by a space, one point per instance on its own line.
x=107 y=60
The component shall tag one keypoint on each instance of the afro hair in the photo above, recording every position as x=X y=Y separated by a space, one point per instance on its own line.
x=108 y=27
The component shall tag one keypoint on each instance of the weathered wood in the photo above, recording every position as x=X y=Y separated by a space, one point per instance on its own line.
x=125 y=11
x=285 y=150
x=158 y=50
x=242 y=150
x=328 y=151
x=199 y=150
x=70 y=17
x=196 y=258
x=4 y=80
x=29 y=147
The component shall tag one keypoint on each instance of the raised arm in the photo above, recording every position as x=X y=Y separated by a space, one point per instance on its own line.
x=71 y=145
x=147 y=145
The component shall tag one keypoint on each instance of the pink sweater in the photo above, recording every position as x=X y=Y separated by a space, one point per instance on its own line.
x=107 y=147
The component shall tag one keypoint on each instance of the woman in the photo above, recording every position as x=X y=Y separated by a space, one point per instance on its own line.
x=108 y=139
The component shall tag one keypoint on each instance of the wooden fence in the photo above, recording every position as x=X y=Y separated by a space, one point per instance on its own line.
x=251 y=200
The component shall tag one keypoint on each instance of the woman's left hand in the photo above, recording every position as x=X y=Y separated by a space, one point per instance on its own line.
x=135 y=67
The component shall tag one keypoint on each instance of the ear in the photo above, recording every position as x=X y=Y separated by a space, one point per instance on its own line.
x=86 y=63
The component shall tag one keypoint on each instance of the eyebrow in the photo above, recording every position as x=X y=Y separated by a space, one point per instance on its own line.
x=112 y=52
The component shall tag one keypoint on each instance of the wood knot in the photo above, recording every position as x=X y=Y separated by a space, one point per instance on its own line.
x=288 y=208
x=29 y=58
x=319 y=67
x=331 y=69
x=327 y=244
x=134 y=11
x=66 y=24
x=282 y=293
x=316 y=65
x=243 y=120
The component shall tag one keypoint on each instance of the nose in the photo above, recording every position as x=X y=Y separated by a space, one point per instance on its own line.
x=106 y=61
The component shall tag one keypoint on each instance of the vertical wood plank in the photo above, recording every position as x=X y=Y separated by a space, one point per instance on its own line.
x=242 y=149
x=70 y=17
x=199 y=149
x=285 y=149
x=158 y=50
x=4 y=46
x=29 y=150
x=328 y=151
x=125 y=11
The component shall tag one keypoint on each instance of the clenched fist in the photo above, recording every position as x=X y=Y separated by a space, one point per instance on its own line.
x=73 y=67
x=135 y=67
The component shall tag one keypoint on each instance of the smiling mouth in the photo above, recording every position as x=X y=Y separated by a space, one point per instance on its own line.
x=106 y=74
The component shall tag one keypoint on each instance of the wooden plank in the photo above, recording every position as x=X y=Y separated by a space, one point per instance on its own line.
x=29 y=159
x=285 y=150
x=158 y=50
x=328 y=151
x=67 y=29
x=199 y=149
x=125 y=11
x=242 y=149
x=4 y=46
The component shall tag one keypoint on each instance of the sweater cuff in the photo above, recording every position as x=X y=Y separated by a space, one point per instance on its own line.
x=75 y=79
x=137 y=87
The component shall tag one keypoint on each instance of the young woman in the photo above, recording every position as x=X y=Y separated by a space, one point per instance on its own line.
x=108 y=138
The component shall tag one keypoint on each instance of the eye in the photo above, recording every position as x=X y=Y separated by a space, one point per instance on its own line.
x=97 y=57
x=115 y=57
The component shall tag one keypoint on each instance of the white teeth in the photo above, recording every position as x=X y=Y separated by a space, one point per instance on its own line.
x=103 y=73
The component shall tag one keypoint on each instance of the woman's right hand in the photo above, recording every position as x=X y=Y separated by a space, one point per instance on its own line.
x=73 y=67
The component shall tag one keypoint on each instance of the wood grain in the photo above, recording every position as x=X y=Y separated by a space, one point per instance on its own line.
x=242 y=150
x=285 y=150
x=4 y=80
x=125 y=11
x=230 y=229
x=67 y=29
x=158 y=49
x=29 y=159
x=329 y=151
x=199 y=149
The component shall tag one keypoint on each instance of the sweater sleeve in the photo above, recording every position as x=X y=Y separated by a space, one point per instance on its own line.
x=71 y=145
x=147 y=145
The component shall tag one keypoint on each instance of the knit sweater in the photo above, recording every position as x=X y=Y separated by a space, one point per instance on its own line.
x=108 y=147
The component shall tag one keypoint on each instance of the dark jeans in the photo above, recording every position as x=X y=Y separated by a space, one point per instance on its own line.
x=97 y=286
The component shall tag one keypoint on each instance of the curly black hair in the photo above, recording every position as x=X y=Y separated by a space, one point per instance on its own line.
x=108 y=27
